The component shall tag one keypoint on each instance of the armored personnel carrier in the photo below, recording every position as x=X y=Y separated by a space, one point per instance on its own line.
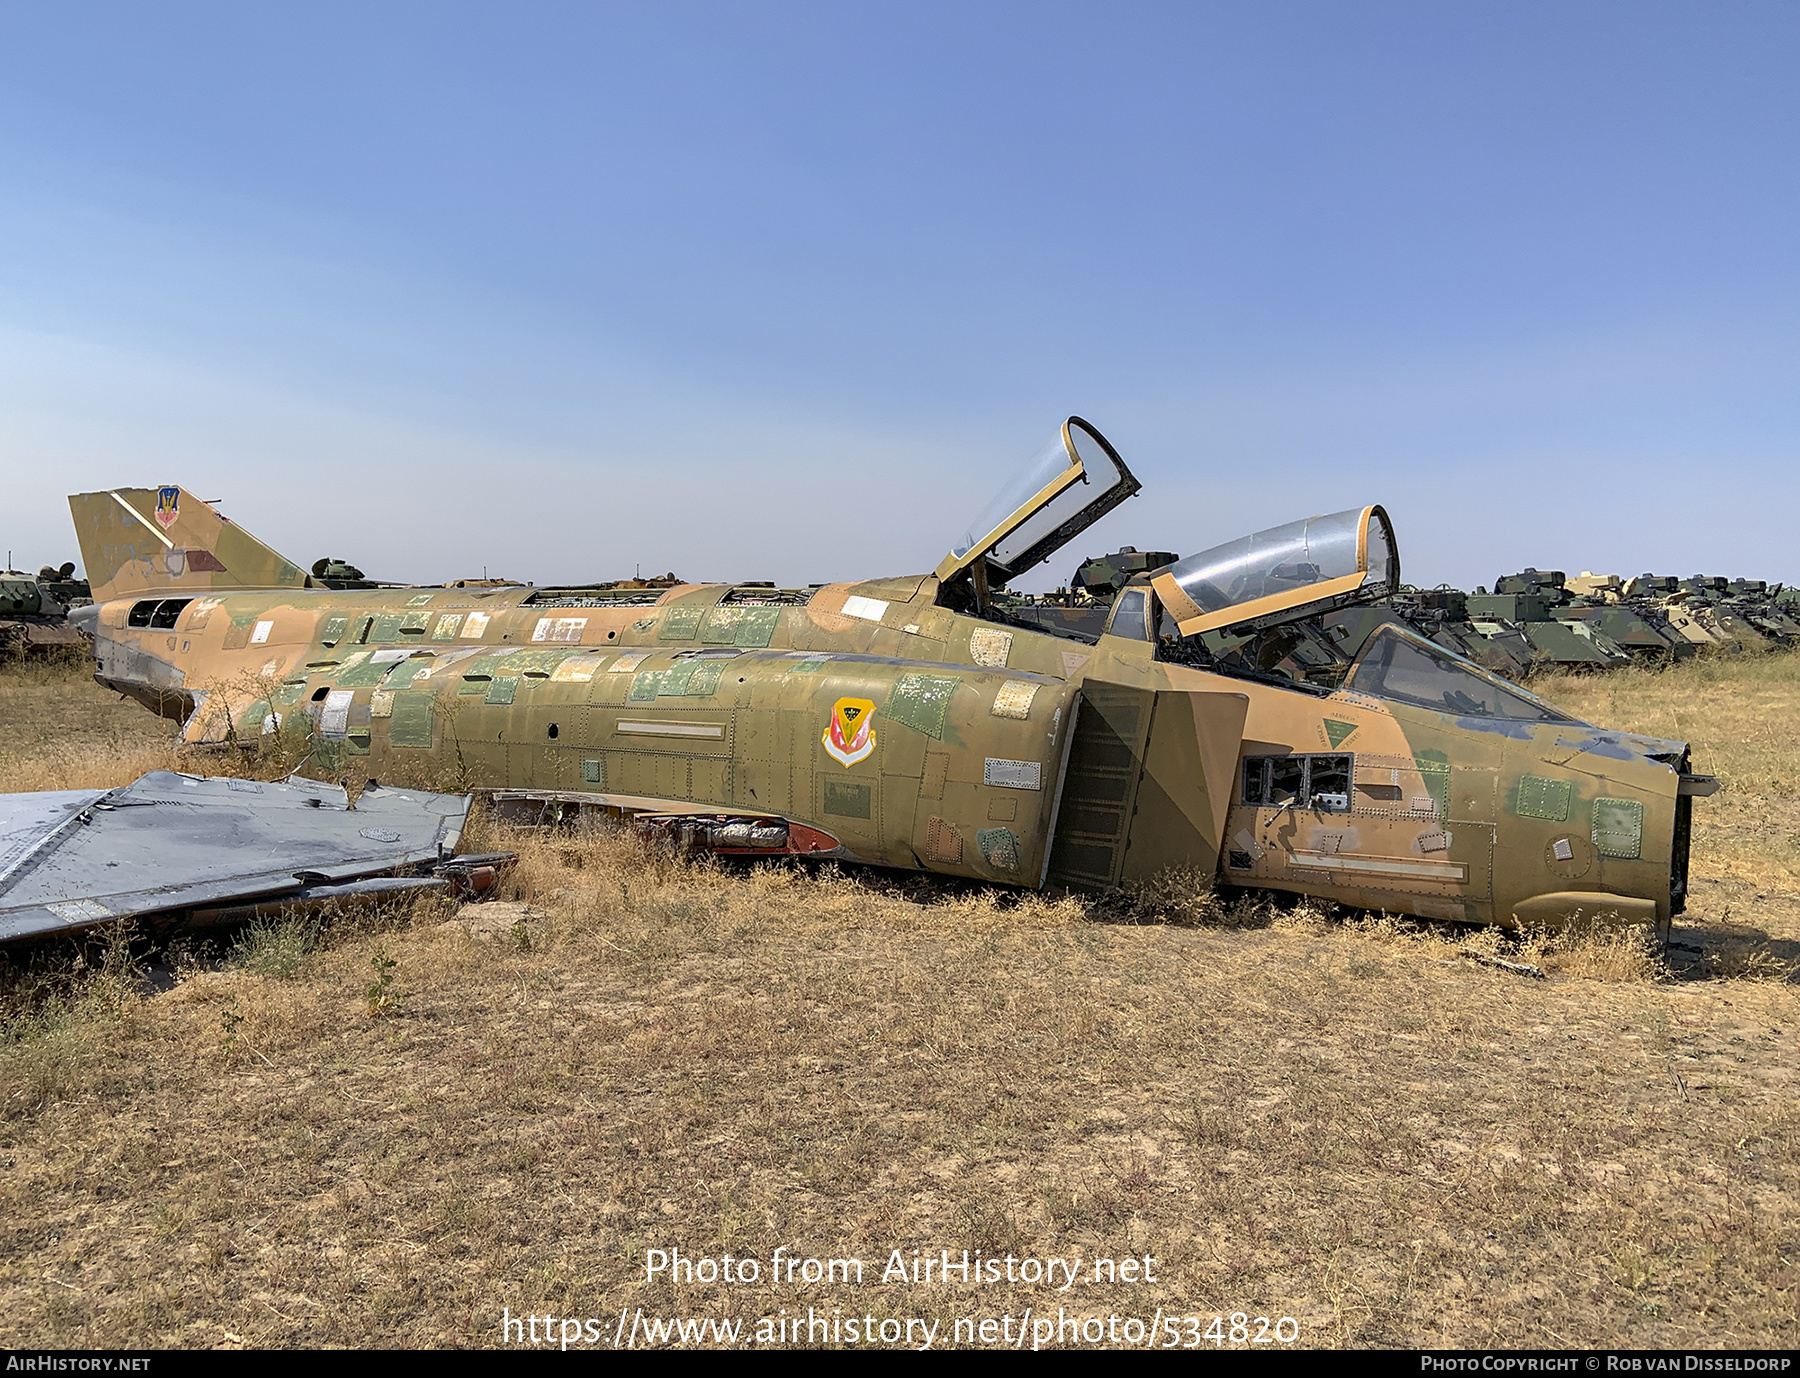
x=1531 y=600
x=1598 y=600
x=59 y=583
x=1714 y=592
x=1754 y=601
x=334 y=573
x=1685 y=615
x=1441 y=615
x=1082 y=606
x=34 y=610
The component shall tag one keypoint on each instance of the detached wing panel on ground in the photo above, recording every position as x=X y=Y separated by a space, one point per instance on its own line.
x=77 y=859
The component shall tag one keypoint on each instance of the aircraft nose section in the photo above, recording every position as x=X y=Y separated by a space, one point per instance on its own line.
x=86 y=619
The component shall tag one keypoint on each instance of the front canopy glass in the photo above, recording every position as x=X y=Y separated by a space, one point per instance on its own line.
x=1298 y=570
x=1072 y=482
x=1400 y=665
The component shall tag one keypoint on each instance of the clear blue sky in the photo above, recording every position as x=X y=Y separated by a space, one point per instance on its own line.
x=766 y=291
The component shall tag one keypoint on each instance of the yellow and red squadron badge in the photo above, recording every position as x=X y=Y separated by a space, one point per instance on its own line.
x=850 y=736
x=168 y=506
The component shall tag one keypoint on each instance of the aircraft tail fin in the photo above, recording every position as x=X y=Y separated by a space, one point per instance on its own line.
x=166 y=540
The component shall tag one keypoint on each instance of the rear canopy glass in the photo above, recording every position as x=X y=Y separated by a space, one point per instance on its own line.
x=1287 y=572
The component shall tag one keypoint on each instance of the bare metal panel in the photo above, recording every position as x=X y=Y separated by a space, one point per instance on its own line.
x=73 y=859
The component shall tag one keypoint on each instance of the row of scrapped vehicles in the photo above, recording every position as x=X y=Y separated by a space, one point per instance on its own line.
x=1532 y=621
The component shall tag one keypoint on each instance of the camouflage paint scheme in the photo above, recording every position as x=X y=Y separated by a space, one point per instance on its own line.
x=885 y=722
x=143 y=540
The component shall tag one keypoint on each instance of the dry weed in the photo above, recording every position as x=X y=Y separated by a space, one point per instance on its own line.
x=1597 y=953
x=277 y=946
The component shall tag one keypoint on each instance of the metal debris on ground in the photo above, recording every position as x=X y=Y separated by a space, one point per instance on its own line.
x=1517 y=968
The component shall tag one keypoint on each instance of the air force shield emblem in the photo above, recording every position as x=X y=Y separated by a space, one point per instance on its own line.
x=168 y=506
x=850 y=736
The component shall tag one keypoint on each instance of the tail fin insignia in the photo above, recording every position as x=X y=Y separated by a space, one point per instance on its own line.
x=157 y=540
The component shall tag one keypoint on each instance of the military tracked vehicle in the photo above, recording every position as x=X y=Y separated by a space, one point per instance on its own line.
x=1081 y=608
x=1695 y=610
x=1711 y=593
x=1440 y=614
x=1531 y=600
x=59 y=583
x=34 y=610
x=1599 y=601
x=1443 y=614
x=1753 y=600
x=333 y=573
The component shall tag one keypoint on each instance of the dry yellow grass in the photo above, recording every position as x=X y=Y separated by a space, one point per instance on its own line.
x=1348 y=1123
x=60 y=730
x=1740 y=714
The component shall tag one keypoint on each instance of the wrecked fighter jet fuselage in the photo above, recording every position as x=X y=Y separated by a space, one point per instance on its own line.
x=912 y=722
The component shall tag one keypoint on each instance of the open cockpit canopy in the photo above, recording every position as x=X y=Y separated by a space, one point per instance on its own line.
x=1073 y=482
x=1287 y=572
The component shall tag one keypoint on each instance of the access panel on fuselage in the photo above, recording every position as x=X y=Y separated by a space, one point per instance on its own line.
x=1148 y=784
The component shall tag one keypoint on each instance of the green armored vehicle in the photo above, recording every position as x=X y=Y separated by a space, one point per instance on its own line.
x=34 y=610
x=1599 y=601
x=59 y=583
x=1443 y=615
x=1686 y=614
x=1081 y=609
x=333 y=573
x=1531 y=599
x=1753 y=600
x=1708 y=598
x=1440 y=614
